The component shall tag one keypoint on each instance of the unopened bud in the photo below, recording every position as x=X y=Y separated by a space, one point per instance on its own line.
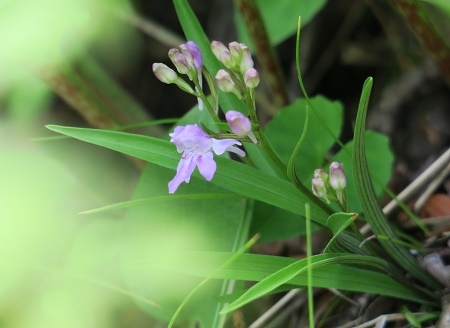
x=164 y=73
x=240 y=124
x=337 y=176
x=246 y=60
x=194 y=50
x=223 y=54
x=224 y=81
x=319 y=173
x=235 y=50
x=251 y=78
x=179 y=61
x=319 y=188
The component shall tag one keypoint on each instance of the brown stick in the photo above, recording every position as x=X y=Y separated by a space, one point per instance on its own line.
x=266 y=56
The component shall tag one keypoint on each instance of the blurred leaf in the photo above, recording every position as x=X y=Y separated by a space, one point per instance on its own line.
x=280 y=18
x=274 y=223
x=59 y=28
x=253 y=267
x=285 y=129
x=443 y=4
x=183 y=224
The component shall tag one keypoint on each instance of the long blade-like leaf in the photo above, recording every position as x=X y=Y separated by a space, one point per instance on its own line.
x=231 y=175
x=366 y=194
x=286 y=274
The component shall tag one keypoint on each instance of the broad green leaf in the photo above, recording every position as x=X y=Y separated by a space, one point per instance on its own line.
x=231 y=175
x=337 y=223
x=380 y=160
x=285 y=129
x=366 y=194
x=280 y=18
x=254 y=267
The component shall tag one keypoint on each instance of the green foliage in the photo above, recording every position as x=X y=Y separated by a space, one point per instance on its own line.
x=182 y=225
x=274 y=223
x=337 y=223
x=285 y=129
x=366 y=194
x=253 y=267
x=280 y=18
x=380 y=160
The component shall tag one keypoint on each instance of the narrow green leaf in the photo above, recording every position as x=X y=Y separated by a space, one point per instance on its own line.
x=145 y=201
x=366 y=195
x=231 y=175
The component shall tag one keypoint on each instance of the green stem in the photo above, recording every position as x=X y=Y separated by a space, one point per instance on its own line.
x=249 y=101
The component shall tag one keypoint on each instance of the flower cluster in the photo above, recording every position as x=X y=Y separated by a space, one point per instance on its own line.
x=322 y=182
x=238 y=60
x=196 y=146
x=188 y=61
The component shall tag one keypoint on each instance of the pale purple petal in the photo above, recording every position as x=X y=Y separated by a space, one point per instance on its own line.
x=184 y=170
x=191 y=138
x=207 y=166
x=236 y=150
x=221 y=146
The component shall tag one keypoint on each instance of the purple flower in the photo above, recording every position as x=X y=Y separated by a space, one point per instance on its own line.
x=197 y=148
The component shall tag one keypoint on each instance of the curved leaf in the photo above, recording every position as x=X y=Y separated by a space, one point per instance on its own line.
x=366 y=195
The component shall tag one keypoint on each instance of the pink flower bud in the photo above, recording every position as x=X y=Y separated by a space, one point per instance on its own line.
x=164 y=73
x=337 y=176
x=224 y=81
x=251 y=78
x=240 y=124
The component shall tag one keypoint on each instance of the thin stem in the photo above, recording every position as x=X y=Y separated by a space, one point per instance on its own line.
x=249 y=101
x=309 y=266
